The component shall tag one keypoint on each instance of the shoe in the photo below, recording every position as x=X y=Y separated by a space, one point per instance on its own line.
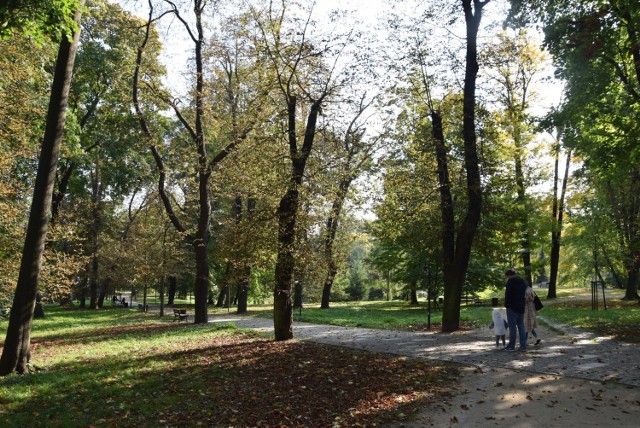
x=538 y=342
x=522 y=349
x=508 y=349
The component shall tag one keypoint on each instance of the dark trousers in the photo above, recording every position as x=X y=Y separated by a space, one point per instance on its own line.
x=516 y=320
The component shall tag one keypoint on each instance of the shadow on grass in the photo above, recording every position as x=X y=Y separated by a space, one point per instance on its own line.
x=159 y=374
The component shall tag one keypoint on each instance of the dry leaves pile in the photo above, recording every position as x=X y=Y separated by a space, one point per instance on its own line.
x=199 y=376
x=258 y=382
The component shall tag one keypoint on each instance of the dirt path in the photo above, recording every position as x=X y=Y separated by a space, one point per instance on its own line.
x=575 y=378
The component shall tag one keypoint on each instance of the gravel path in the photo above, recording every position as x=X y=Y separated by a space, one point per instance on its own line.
x=574 y=377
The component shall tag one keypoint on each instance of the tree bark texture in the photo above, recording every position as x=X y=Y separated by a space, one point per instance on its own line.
x=16 y=351
x=282 y=308
x=287 y=215
x=243 y=290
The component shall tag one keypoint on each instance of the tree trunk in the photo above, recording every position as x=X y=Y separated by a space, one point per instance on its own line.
x=523 y=212
x=611 y=267
x=556 y=233
x=173 y=285
x=627 y=210
x=101 y=296
x=632 y=265
x=282 y=308
x=413 y=294
x=446 y=202
x=332 y=270
x=16 y=351
x=243 y=291
x=162 y=282
x=38 y=312
x=59 y=195
x=245 y=275
x=221 y=297
x=202 y=279
x=332 y=228
x=287 y=214
x=96 y=227
x=83 y=293
x=455 y=269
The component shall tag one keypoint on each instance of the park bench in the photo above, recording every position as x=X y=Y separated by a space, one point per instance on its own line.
x=180 y=314
x=142 y=308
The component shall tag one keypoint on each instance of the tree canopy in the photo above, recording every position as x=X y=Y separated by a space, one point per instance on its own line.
x=299 y=144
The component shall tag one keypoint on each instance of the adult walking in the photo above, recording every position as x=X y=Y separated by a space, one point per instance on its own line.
x=530 y=321
x=514 y=301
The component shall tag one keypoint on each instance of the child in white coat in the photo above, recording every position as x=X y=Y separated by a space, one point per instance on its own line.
x=499 y=326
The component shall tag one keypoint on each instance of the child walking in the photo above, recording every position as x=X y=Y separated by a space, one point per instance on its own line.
x=499 y=326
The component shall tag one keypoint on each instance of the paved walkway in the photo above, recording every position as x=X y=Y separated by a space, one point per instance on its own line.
x=574 y=365
x=576 y=354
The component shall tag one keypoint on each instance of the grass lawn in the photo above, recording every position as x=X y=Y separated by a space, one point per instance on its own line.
x=120 y=367
x=393 y=315
x=620 y=320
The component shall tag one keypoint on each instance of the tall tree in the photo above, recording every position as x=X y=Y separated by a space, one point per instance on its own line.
x=557 y=219
x=195 y=131
x=356 y=151
x=304 y=82
x=457 y=246
x=596 y=49
x=513 y=63
x=16 y=352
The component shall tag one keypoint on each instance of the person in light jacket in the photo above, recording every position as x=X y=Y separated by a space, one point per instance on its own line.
x=499 y=326
x=530 y=322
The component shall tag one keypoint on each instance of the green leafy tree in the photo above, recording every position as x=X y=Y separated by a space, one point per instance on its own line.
x=303 y=81
x=23 y=89
x=16 y=352
x=513 y=63
x=596 y=49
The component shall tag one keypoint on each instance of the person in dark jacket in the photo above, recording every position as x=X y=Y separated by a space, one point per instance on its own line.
x=514 y=301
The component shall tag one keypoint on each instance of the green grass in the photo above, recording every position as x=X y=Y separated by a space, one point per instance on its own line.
x=93 y=365
x=394 y=315
x=120 y=367
x=619 y=320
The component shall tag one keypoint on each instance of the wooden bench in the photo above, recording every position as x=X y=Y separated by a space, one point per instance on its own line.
x=180 y=314
x=142 y=308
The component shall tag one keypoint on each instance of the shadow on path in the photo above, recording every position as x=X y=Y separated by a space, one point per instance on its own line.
x=576 y=378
